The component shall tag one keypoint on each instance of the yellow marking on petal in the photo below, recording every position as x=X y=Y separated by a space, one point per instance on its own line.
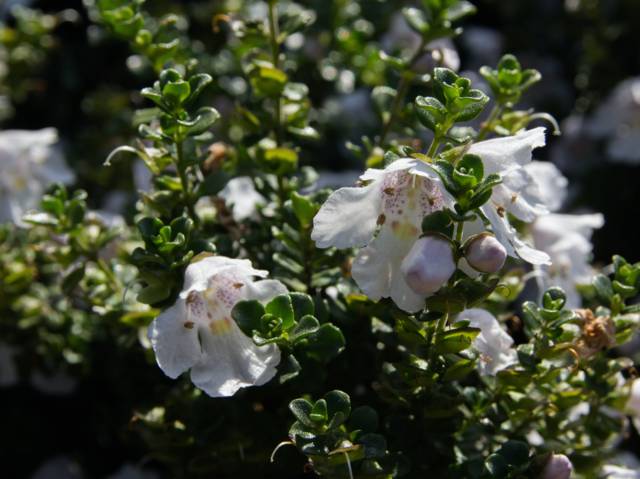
x=19 y=183
x=404 y=230
x=220 y=326
x=412 y=197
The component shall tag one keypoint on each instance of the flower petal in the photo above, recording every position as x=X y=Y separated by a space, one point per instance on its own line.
x=493 y=343
x=264 y=290
x=508 y=236
x=500 y=154
x=199 y=272
x=242 y=195
x=176 y=346
x=425 y=170
x=231 y=361
x=348 y=217
x=376 y=269
x=551 y=183
x=519 y=195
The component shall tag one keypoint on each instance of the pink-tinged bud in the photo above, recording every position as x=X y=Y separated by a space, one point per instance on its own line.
x=429 y=265
x=485 y=253
x=558 y=467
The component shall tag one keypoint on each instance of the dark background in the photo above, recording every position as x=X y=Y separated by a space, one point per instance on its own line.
x=84 y=90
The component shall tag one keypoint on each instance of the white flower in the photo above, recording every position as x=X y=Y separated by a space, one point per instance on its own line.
x=618 y=121
x=552 y=184
x=429 y=265
x=566 y=238
x=198 y=333
x=493 y=344
x=633 y=403
x=558 y=467
x=242 y=196
x=619 y=472
x=384 y=219
x=29 y=163
x=518 y=194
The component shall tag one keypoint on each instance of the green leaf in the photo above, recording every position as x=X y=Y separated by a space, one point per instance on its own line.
x=247 y=315
x=267 y=80
x=326 y=343
x=445 y=171
x=471 y=165
x=304 y=133
x=459 y=10
x=338 y=407
x=416 y=19
x=459 y=370
x=175 y=93
x=318 y=413
x=430 y=112
x=72 y=277
x=198 y=83
x=304 y=208
x=281 y=307
x=307 y=326
x=438 y=222
x=455 y=340
x=301 y=409
x=289 y=368
x=302 y=305
x=603 y=287
x=205 y=118
x=280 y=160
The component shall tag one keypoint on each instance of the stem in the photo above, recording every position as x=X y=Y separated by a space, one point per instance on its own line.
x=486 y=127
x=275 y=58
x=433 y=148
x=184 y=180
x=442 y=323
x=459 y=230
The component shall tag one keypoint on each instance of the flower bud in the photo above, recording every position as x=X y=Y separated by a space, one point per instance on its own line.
x=485 y=253
x=429 y=265
x=558 y=467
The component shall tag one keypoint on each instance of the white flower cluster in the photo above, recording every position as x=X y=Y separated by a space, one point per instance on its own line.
x=29 y=163
x=383 y=218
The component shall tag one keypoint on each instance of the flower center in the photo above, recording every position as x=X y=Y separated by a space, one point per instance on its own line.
x=212 y=307
x=407 y=199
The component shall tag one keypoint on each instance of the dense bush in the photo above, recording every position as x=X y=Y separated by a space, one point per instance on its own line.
x=278 y=239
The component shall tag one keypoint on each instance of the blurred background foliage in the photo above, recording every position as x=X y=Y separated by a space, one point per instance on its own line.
x=62 y=68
